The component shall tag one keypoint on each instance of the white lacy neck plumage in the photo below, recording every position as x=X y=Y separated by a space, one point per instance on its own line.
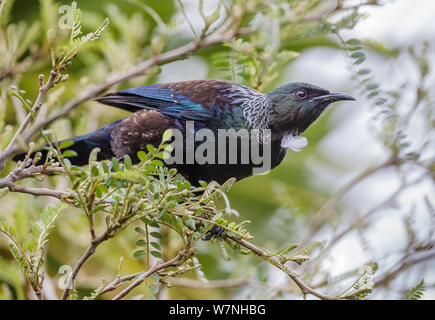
x=295 y=143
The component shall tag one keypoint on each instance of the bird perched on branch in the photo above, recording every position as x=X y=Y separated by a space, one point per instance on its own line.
x=285 y=112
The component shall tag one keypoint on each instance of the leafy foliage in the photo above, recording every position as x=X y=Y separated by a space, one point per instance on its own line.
x=363 y=286
x=417 y=292
x=30 y=254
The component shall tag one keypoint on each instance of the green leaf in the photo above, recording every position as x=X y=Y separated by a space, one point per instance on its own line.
x=359 y=61
x=156 y=245
x=105 y=167
x=97 y=209
x=70 y=153
x=139 y=254
x=141 y=243
x=191 y=224
x=187 y=185
x=156 y=235
x=140 y=230
x=417 y=292
x=154 y=278
x=102 y=188
x=150 y=222
x=151 y=149
x=153 y=288
x=127 y=162
x=372 y=86
x=167 y=135
x=94 y=171
x=358 y=55
x=36 y=230
x=67 y=163
x=142 y=156
x=115 y=164
x=203 y=183
x=353 y=42
x=157 y=163
x=157 y=254
x=364 y=71
x=163 y=155
x=373 y=94
x=217 y=216
x=223 y=251
x=380 y=101
x=66 y=144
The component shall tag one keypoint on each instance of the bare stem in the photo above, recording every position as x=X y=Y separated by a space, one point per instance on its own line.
x=21 y=173
x=175 y=261
x=303 y=287
x=88 y=253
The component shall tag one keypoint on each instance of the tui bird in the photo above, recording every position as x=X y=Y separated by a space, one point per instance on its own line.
x=207 y=104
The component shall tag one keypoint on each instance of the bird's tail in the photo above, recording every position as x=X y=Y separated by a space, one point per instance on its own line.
x=83 y=146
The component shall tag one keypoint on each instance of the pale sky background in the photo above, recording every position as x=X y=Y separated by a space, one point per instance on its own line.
x=402 y=22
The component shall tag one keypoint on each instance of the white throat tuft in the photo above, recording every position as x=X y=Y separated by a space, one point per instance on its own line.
x=295 y=143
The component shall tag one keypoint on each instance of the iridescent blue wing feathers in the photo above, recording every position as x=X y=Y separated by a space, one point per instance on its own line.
x=198 y=100
x=188 y=100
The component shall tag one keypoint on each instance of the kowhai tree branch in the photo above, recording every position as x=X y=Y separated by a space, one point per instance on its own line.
x=303 y=287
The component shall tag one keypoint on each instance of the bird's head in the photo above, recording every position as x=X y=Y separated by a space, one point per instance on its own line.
x=297 y=105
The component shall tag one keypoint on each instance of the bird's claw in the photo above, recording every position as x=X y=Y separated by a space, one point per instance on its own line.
x=214 y=232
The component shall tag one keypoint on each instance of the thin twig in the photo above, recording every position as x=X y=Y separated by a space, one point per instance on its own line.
x=115 y=283
x=21 y=173
x=95 y=242
x=89 y=252
x=43 y=90
x=303 y=287
x=175 y=261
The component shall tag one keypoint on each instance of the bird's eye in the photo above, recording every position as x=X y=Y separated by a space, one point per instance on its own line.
x=301 y=94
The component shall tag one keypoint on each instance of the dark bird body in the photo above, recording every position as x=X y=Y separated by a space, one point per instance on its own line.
x=287 y=111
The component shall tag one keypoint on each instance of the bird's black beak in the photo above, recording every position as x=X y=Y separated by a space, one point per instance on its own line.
x=333 y=97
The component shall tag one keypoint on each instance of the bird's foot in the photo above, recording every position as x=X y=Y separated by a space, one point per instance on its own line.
x=214 y=232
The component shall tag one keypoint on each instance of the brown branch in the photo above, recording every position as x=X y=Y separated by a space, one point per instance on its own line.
x=195 y=284
x=95 y=242
x=22 y=172
x=175 y=261
x=39 y=191
x=88 y=253
x=303 y=287
x=115 y=283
